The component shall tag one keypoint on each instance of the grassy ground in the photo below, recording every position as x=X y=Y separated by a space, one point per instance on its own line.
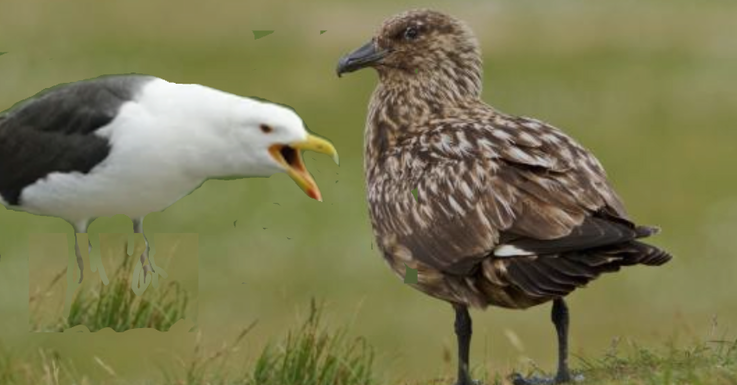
x=116 y=306
x=713 y=363
x=164 y=300
x=312 y=354
x=648 y=85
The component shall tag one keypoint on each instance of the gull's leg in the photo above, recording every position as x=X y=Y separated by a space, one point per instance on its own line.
x=561 y=319
x=80 y=227
x=77 y=227
x=138 y=229
x=80 y=262
x=463 y=335
x=95 y=259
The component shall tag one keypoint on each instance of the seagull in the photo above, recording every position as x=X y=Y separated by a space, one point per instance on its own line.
x=134 y=144
x=510 y=211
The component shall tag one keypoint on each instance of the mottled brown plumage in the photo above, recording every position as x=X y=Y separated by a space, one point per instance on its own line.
x=510 y=212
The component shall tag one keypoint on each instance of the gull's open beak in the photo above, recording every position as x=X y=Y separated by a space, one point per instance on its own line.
x=289 y=156
x=360 y=58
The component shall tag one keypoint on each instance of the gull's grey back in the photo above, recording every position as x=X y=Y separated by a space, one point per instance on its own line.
x=78 y=107
x=53 y=130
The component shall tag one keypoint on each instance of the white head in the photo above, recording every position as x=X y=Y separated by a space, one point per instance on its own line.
x=275 y=136
x=231 y=136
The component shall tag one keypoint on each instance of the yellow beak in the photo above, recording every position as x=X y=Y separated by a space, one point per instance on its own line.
x=289 y=156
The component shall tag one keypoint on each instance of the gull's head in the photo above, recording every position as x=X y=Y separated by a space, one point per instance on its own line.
x=210 y=133
x=416 y=42
x=275 y=136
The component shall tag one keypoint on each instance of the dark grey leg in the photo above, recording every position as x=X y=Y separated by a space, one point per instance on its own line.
x=560 y=317
x=463 y=329
x=138 y=228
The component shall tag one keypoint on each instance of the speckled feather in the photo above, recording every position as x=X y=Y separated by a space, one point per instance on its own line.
x=484 y=179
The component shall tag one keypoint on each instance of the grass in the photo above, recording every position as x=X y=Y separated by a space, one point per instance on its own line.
x=310 y=354
x=313 y=354
x=116 y=306
x=705 y=363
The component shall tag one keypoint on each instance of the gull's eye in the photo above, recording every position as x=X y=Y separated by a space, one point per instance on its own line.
x=265 y=128
x=410 y=33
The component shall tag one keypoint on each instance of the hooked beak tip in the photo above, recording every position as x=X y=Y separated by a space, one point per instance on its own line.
x=365 y=56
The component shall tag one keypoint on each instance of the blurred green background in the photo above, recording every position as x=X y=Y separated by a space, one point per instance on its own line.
x=649 y=86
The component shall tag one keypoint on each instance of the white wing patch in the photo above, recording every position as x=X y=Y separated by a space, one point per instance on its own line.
x=510 y=251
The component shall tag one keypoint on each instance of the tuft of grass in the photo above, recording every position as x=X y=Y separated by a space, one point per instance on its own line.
x=312 y=355
x=116 y=306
